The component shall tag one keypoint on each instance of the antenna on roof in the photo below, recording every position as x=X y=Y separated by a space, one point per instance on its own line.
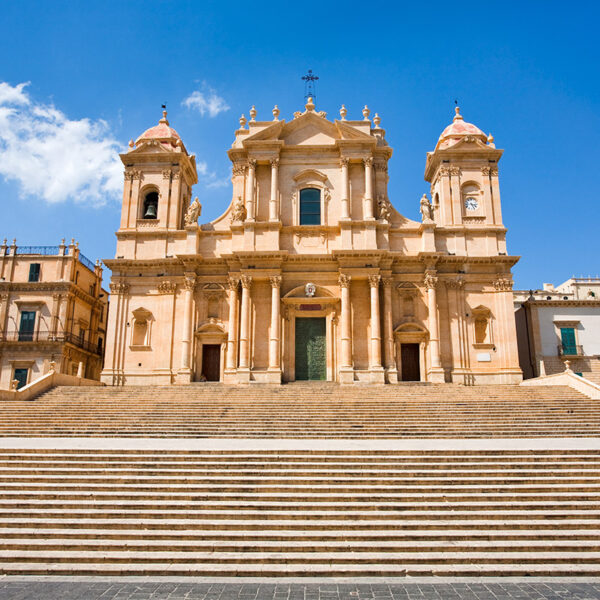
x=309 y=85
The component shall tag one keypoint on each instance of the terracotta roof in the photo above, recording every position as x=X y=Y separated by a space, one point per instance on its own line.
x=161 y=132
x=458 y=129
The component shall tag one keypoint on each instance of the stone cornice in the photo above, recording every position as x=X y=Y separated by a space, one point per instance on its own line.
x=588 y=303
x=66 y=287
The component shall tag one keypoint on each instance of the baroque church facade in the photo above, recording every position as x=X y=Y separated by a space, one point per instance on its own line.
x=311 y=273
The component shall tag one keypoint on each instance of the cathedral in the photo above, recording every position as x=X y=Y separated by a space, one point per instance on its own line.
x=311 y=273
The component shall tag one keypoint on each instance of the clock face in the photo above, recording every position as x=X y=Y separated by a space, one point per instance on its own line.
x=471 y=204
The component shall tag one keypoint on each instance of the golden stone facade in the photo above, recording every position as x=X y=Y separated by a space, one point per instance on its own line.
x=311 y=272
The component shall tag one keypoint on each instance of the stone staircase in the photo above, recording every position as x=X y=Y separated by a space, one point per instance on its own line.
x=298 y=513
x=314 y=410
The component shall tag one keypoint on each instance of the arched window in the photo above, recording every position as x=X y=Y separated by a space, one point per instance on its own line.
x=310 y=206
x=150 y=206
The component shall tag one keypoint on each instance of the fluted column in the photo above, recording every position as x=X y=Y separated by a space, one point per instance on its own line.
x=431 y=281
x=368 y=206
x=346 y=322
x=245 y=323
x=232 y=284
x=188 y=306
x=250 y=199
x=275 y=333
x=388 y=324
x=375 y=322
x=273 y=209
x=345 y=189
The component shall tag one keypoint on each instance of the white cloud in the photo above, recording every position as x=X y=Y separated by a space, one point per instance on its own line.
x=209 y=178
x=206 y=102
x=54 y=157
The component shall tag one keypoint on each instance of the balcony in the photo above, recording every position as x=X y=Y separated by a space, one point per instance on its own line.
x=32 y=337
x=570 y=350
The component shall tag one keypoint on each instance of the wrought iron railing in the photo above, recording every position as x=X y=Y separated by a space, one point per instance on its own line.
x=86 y=262
x=48 y=336
x=570 y=350
x=40 y=250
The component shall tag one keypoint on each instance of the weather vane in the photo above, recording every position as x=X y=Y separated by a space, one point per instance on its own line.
x=309 y=85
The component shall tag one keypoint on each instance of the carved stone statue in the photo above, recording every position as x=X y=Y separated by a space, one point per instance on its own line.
x=384 y=208
x=426 y=210
x=193 y=212
x=239 y=211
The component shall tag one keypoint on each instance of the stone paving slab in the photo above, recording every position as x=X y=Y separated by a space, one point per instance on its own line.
x=315 y=445
x=129 y=588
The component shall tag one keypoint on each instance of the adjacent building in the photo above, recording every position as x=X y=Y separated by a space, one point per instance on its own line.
x=561 y=323
x=52 y=309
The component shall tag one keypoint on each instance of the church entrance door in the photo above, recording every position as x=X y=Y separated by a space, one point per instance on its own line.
x=409 y=356
x=211 y=361
x=311 y=361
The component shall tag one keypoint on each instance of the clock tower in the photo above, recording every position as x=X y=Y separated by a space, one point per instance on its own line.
x=463 y=172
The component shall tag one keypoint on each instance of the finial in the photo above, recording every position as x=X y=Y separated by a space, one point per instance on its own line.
x=131 y=143
x=490 y=140
x=4 y=242
x=377 y=120
x=310 y=105
x=243 y=121
x=164 y=113
x=276 y=113
x=457 y=116
x=366 y=112
x=72 y=241
x=343 y=112
x=253 y=113
x=62 y=242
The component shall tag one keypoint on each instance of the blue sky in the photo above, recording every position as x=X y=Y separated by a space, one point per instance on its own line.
x=97 y=73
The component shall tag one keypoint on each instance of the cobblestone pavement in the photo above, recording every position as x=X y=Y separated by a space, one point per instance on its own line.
x=46 y=589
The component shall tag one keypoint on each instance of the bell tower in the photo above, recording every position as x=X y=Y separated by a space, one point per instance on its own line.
x=159 y=174
x=463 y=172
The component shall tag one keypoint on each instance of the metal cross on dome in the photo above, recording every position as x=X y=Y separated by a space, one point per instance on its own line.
x=309 y=85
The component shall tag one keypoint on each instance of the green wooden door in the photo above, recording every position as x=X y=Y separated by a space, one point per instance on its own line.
x=311 y=360
x=567 y=335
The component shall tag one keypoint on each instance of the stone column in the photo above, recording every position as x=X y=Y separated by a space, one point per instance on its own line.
x=273 y=212
x=388 y=331
x=431 y=281
x=345 y=188
x=346 y=367
x=377 y=373
x=185 y=372
x=232 y=284
x=250 y=200
x=245 y=323
x=275 y=334
x=368 y=205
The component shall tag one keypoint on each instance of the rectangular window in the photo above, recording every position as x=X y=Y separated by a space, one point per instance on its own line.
x=310 y=206
x=567 y=338
x=21 y=377
x=34 y=272
x=27 y=326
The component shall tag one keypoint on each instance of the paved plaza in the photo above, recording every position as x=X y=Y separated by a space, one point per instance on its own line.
x=41 y=588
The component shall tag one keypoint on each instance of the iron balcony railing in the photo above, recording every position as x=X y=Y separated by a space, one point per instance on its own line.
x=48 y=336
x=40 y=250
x=86 y=262
x=570 y=350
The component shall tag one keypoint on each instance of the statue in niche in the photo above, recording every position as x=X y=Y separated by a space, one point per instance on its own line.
x=193 y=212
x=426 y=210
x=239 y=212
x=384 y=207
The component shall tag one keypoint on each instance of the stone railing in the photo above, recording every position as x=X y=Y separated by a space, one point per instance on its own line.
x=581 y=384
x=44 y=383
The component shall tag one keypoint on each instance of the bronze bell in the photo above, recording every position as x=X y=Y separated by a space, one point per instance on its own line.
x=150 y=211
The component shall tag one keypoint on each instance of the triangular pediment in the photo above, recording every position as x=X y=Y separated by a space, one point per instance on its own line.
x=309 y=129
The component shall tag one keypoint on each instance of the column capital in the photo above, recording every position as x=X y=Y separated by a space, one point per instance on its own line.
x=345 y=280
x=275 y=281
x=344 y=162
x=430 y=280
x=238 y=169
x=119 y=288
x=368 y=161
x=246 y=281
x=388 y=282
x=274 y=162
x=252 y=163
x=189 y=282
x=232 y=283
x=374 y=280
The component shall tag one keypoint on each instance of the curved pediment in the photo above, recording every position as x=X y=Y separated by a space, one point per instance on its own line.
x=300 y=292
x=411 y=328
x=310 y=175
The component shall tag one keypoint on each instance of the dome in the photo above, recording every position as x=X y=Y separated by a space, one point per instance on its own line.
x=458 y=129
x=161 y=132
